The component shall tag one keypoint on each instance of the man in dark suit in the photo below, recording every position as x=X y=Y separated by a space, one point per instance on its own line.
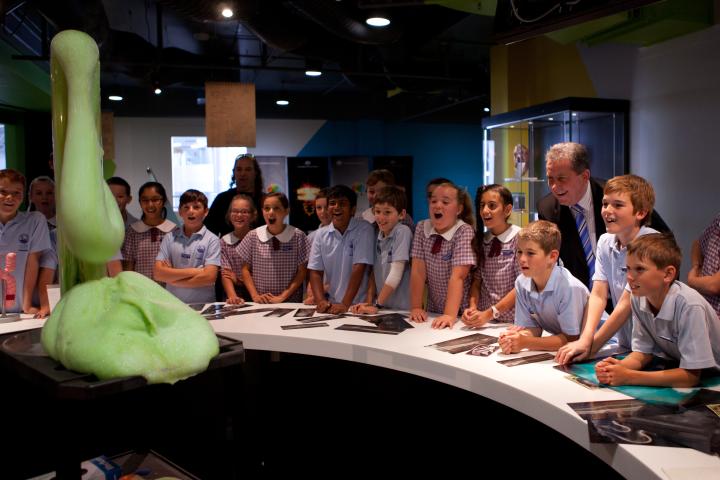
x=568 y=175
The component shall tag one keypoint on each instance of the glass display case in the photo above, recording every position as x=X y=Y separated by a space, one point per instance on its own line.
x=515 y=144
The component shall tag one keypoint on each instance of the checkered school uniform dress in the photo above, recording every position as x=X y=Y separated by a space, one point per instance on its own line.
x=710 y=247
x=273 y=270
x=497 y=273
x=229 y=254
x=142 y=244
x=455 y=250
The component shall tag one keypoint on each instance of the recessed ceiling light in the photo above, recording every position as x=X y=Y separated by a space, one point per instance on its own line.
x=227 y=13
x=378 y=21
x=486 y=109
x=574 y=114
x=158 y=91
x=282 y=103
x=551 y=118
x=115 y=98
x=313 y=73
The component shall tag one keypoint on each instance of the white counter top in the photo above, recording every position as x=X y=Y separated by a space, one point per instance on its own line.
x=537 y=389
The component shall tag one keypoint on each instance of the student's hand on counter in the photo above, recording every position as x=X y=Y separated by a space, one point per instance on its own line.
x=511 y=341
x=235 y=300
x=336 y=308
x=42 y=313
x=364 y=309
x=476 y=318
x=573 y=352
x=276 y=298
x=418 y=315
x=322 y=306
x=263 y=298
x=444 y=321
x=611 y=372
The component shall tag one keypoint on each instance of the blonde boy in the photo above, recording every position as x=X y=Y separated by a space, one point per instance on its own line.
x=670 y=320
x=189 y=256
x=627 y=204
x=548 y=296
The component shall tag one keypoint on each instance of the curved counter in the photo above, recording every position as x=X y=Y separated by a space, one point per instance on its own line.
x=537 y=389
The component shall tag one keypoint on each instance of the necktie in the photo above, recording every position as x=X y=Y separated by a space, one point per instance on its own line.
x=585 y=239
x=437 y=245
x=495 y=247
x=154 y=234
x=275 y=243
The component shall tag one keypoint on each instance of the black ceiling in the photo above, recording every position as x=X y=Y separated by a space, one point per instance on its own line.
x=430 y=64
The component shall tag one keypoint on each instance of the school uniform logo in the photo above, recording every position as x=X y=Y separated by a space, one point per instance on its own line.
x=24 y=241
x=286 y=247
x=351 y=249
x=200 y=253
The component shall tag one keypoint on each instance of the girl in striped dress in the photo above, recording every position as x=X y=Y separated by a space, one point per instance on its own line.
x=275 y=255
x=241 y=215
x=492 y=294
x=143 y=238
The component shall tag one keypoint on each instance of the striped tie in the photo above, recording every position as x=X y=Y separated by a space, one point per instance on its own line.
x=585 y=239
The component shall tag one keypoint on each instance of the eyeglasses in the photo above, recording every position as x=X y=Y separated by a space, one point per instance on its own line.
x=151 y=200
x=11 y=193
x=240 y=212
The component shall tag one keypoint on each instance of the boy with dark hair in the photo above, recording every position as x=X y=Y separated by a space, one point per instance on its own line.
x=670 y=320
x=189 y=256
x=342 y=252
x=120 y=189
x=26 y=235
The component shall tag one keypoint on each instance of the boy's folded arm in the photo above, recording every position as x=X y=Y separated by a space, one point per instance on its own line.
x=205 y=276
x=165 y=273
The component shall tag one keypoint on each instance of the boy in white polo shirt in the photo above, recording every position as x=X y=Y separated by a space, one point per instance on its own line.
x=189 y=257
x=670 y=320
x=24 y=233
x=343 y=252
x=627 y=204
x=548 y=296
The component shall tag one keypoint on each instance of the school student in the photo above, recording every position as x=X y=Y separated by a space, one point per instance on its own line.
x=41 y=198
x=144 y=237
x=492 y=293
x=442 y=256
x=548 y=297
x=189 y=257
x=627 y=205
x=274 y=255
x=341 y=252
x=241 y=215
x=391 y=275
x=24 y=233
x=376 y=181
x=670 y=320
x=704 y=275
x=120 y=189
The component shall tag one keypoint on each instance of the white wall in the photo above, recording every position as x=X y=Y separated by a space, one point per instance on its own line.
x=145 y=142
x=675 y=103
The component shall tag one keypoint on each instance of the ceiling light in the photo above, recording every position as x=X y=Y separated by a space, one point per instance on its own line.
x=313 y=73
x=377 y=21
x=158 y=91
x=486 y=109
x=282 y=103
x=115 y=98
x=227 y=13
x=551 y=118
